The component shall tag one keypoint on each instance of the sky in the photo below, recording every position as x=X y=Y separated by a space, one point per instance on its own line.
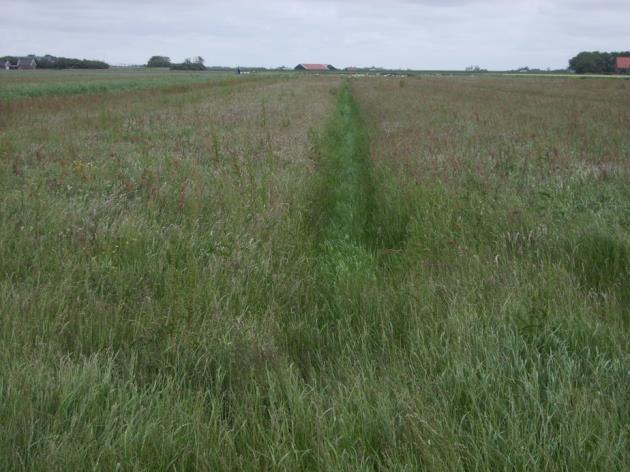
x=415 y=34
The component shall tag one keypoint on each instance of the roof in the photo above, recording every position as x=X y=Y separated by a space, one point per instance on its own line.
x=25 y=61
x=623 y=63
x=316 y=66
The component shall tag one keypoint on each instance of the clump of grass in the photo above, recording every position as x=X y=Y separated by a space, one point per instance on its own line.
x=601 y=262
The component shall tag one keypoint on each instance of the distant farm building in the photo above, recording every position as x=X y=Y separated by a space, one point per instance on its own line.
x=623 y=65
x=315 y=67
x=23 y=63
x=26 y=63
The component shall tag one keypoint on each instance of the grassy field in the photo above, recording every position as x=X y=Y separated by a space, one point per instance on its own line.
x=314 y=273
x=15 y=85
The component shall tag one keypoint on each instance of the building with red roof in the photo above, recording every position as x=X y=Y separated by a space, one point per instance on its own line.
x=623 y=65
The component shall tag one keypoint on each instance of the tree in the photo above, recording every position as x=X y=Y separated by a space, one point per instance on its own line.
x=595 y=62
x=194 y=63
x=51 y=62
x=591 y=63
x=159 y=61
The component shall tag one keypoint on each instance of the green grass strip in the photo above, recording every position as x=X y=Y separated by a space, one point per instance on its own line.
x=344 y=263
x=342 y=203
x=343 y=195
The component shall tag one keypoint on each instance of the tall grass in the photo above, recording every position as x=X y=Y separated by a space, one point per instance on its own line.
x=305 y=275
x=516 y=229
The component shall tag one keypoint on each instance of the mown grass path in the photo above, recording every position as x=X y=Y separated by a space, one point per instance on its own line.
x=342 y=204
x=345 y=175
x=344 y=221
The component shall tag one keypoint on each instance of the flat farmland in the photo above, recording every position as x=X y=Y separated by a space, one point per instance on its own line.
x=71 y=82
x=313 y=272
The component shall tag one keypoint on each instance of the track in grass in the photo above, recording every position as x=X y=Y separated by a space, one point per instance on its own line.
x=346 y=221
x=343 y=201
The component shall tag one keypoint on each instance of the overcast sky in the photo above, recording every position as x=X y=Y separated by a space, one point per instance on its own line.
x=419 y=34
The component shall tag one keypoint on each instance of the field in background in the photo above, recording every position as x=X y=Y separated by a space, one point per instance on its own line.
x=15 y=85
x=310 y=273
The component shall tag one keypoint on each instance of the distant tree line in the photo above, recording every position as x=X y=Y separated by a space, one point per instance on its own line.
x=595 y=62
x=68 y=63
x=52 y=62
x=194 y=63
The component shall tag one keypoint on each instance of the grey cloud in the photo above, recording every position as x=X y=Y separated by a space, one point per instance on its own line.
x=399 y=33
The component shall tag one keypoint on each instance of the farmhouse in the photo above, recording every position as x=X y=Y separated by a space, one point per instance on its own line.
x=315 y=67
x=23 y=63
x=26 y=63
x=623 y=65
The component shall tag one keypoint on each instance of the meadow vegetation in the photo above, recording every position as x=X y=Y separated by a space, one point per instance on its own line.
x=515 y=205
x=312 y=273
x=17 y=85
